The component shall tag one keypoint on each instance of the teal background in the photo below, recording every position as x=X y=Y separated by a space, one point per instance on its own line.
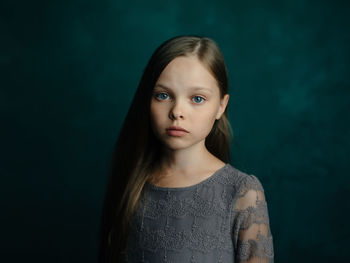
x=69 y=70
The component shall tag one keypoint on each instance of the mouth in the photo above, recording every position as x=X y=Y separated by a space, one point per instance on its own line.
x=176 y=128
x=176 y=131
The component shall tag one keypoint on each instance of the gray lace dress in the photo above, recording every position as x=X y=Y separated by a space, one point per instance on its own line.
x=221 y=219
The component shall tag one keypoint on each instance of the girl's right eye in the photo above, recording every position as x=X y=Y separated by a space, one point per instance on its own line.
x=161 y=95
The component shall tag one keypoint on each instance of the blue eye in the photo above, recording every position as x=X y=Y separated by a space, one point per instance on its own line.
x=162 y=93
x=202 y=99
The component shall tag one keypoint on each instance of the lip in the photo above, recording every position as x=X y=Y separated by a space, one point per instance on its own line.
x=176 y=128
x=176 y=133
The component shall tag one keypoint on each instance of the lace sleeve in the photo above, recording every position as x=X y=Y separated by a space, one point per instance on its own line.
x=252 y=235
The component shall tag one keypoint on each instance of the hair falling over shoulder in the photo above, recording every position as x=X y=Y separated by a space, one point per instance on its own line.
x=137 y=150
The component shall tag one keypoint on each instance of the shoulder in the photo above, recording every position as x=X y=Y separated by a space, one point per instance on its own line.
x=240 y=180
x=248 y=192
x=242 y=186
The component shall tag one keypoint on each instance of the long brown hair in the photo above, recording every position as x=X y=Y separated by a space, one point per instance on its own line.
x=137 y=149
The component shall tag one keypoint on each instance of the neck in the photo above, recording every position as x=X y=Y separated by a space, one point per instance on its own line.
x=185 y=160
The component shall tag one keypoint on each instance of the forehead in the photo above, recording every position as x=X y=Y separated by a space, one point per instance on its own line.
x=187 y=72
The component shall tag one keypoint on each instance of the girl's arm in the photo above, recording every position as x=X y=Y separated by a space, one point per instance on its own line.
x=253 y=239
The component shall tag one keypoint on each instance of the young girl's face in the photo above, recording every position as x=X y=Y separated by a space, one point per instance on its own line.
x=185 y=95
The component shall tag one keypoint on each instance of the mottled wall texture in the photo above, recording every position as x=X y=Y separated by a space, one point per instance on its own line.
x=69 y=70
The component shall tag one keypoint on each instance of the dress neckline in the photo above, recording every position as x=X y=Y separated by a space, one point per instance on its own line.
x=156 y=187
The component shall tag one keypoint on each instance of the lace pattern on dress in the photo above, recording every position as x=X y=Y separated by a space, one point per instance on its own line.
x=228 y=213
x=198 y=206
x=252 y=227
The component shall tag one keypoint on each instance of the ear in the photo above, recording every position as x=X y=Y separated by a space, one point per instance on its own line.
x=222 y=107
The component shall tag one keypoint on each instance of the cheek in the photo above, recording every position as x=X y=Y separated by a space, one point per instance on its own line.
x=156 y=114
x=204 y=121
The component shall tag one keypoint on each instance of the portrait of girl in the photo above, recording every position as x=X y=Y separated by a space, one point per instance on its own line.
x=172 y=194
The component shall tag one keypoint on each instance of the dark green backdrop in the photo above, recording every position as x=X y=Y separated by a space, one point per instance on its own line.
x=69 y=70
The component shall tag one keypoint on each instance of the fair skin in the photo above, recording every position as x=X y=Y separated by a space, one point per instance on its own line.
x=176 y=101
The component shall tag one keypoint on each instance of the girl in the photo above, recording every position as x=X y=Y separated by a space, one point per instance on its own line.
x=171 y=195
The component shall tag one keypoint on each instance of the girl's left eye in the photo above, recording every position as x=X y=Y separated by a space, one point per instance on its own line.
x=201 y=99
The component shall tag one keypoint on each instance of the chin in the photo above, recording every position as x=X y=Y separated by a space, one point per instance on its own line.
x=175 y=145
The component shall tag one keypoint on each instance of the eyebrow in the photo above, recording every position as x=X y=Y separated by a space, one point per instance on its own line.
x=191 y=88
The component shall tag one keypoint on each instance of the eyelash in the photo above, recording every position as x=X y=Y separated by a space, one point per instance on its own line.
x=203 y=99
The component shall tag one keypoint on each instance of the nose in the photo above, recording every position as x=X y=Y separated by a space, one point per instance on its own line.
x=176 y=111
